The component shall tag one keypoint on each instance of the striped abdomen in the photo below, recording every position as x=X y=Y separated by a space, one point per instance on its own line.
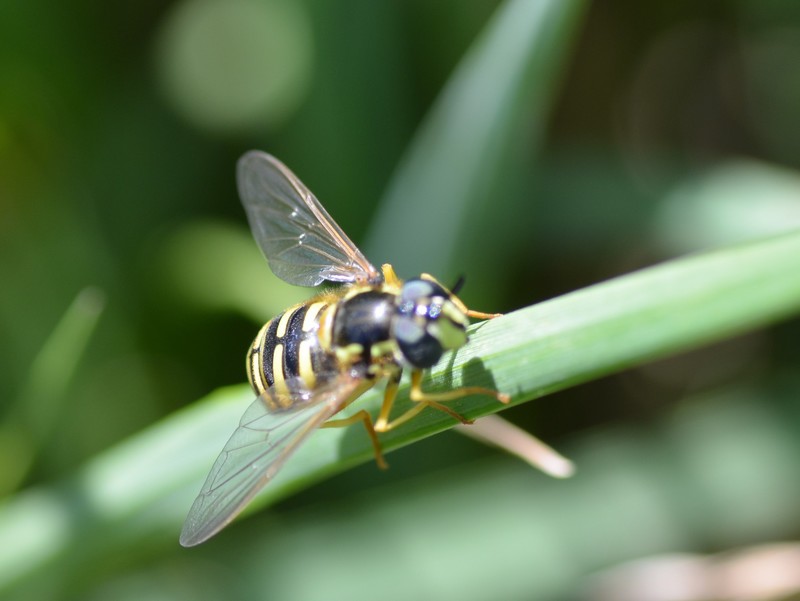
x=287 y=354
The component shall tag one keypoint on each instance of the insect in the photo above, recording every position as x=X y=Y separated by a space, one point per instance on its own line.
x=314 y=359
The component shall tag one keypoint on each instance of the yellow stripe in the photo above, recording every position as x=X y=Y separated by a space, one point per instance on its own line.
x=281 y=394
x=309 y=321
x=325 y=332
x=305 y=365
x=284 y=323
x=277 y=369
x=254 y=372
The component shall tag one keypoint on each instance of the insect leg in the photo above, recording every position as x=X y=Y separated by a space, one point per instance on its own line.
x=389 y=396
x=384 y=425
x=390 y=277
x=411 y=413
x=434 y=400
x=365 y=417
x=469 y=312
x=419 y=395
x=481 y=315
x=417 y=408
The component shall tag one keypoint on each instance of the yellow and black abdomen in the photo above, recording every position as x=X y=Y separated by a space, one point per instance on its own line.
x=287 y=353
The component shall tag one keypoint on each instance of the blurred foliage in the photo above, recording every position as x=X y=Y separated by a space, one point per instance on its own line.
x=593 y=140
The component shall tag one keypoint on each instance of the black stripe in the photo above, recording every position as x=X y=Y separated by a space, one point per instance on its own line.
x=268 y=349
x=291 y=343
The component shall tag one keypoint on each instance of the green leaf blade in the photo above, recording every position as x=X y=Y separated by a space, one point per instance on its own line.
x=499 y=95
x=596 y=331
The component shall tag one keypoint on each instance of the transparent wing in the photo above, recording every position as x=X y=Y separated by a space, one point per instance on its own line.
x=255 y=452
x=303 y=245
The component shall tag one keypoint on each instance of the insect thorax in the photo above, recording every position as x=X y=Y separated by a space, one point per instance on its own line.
x=361 y=332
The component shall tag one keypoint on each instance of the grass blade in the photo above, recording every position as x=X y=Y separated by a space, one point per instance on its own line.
x=142 y=488
x=36 y=410
x=499 y=95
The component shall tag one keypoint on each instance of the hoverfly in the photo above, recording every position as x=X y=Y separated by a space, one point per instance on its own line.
x=314 y=359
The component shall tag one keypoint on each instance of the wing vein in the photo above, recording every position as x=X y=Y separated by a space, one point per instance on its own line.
x=302 y=243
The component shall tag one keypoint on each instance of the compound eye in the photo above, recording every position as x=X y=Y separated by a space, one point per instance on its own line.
x=418 y=347
x=414 y=290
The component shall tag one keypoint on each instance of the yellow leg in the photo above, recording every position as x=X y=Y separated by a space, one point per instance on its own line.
x=481 y=315
x=404 y=418
x=433 y=400
x=419 y=395
x=383 y=424
x=389 y=396
x=470 y=313
x=365 y=417
x=390 y=277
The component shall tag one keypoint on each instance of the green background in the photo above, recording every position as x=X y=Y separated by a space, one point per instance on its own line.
x=538 y=147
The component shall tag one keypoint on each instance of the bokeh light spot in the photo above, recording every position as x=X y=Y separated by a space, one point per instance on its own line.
x=230 y=65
